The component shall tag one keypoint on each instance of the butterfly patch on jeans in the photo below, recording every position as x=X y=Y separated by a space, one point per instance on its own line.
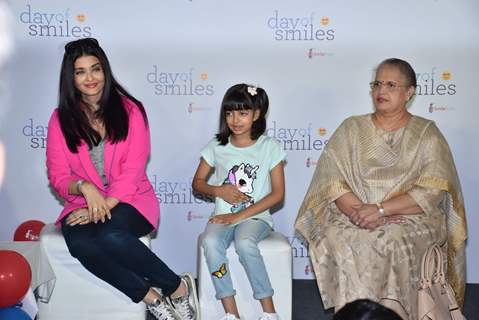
x=221 y=272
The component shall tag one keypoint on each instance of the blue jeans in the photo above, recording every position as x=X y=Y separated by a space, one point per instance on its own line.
x=246 y=235
x=113 y=253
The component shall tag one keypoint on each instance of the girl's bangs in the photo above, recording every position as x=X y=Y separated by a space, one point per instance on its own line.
x=234 y=106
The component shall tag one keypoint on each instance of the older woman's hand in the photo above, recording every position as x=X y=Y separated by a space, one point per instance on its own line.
x=366 y=215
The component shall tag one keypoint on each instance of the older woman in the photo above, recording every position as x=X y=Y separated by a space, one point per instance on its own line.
x=384 y=189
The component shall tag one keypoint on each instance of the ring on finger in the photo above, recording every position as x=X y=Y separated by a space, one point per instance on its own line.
x=95 y=209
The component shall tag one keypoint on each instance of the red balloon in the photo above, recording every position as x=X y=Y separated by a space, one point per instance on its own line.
x=15 y=277
x=29 y=231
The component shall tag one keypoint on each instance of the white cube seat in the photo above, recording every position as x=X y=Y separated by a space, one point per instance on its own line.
x=78 y=294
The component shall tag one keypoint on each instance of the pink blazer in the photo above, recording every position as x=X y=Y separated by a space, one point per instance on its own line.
x=124 y=165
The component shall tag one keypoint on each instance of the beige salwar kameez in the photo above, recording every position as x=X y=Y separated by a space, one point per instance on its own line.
x=352 y=263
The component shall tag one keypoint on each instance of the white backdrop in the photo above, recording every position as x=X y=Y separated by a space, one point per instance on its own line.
x=314 y=58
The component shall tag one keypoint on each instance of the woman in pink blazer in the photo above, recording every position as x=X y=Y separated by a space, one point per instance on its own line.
x=97 y=150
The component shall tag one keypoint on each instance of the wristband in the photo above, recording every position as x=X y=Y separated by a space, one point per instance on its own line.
x=78 y=185
x=381 y=210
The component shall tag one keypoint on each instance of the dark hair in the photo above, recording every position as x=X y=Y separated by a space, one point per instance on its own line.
x=365 y=309
x=73 y=120
x=239 y=98
x=404 y=67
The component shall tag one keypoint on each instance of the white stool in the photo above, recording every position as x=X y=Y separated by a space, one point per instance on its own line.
x=78 y=294
x=276 y=252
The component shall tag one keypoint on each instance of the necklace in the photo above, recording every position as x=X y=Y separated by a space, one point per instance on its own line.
x=390 y=138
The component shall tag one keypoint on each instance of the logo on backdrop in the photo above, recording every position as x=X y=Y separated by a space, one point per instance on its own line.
x=176 y=192
x=61 y=23
x=300 y=28
x=435 y=83
x=187 y=83
x=36 y=134
x=195 y=107
x=311 y=162
x=298 y=139
x=308 y=269
x=298 y=248
x=191 y=215
x=316 y=53
x=434 y=107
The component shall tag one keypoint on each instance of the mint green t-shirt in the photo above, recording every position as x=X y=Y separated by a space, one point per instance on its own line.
x=247 y=168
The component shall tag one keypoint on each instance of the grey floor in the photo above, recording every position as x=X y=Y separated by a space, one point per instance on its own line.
x=307 y=303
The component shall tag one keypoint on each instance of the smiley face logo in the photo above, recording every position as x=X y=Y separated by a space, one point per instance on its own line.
x=204 y=76
x=322 y=131
x=446 y=75
x=324 y=21
x=81 y=17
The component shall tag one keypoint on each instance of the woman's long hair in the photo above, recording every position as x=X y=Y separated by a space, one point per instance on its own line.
x=112 y=112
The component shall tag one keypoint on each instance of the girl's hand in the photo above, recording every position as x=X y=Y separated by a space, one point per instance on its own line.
x=228 y=218
x=78 y=216
x=97 y=206
x=230 y=194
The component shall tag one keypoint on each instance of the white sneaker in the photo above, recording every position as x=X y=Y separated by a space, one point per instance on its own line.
x=161 y=309
x=187 y=306
x=269 y=316
x=229 y=316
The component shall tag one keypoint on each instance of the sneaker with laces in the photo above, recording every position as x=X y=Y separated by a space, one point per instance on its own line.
x=161 y=309
x=187 y=306
x=229 y=316
x=269 y=316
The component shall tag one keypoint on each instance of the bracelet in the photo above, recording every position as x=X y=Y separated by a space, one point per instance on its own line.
x=78 y=184
x=381 y=210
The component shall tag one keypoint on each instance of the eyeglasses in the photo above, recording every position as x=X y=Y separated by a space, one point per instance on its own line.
x=389 y=85
x=85 y=42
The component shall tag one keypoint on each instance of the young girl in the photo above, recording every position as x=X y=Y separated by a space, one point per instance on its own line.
x=249 y=180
